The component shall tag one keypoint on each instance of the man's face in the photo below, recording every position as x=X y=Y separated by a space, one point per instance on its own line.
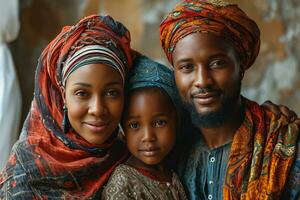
x=208 y=77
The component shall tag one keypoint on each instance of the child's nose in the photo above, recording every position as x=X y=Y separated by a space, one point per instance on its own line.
x=149 y=135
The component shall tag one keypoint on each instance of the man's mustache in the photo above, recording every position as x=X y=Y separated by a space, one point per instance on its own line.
x=205 y=91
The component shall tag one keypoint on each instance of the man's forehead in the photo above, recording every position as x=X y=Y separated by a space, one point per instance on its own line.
x=201 y=43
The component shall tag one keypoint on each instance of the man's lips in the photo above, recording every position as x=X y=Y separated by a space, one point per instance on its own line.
x=205 y=98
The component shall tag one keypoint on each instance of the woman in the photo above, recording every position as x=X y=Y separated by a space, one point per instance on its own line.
x=68 y=146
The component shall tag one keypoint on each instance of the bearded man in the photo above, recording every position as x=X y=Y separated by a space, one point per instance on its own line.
x=236 y=149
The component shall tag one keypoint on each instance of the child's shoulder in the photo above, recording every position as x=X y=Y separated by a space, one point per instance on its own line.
x=121 y=172
x=121 y=184
x=123 y=176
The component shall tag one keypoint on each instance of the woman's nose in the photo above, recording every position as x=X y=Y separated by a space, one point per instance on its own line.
x=97 y=106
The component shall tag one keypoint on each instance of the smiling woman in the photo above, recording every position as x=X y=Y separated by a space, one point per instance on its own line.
x=69 y=146
x=94 y=101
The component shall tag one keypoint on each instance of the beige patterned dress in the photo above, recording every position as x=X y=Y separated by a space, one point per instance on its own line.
x=128 y=183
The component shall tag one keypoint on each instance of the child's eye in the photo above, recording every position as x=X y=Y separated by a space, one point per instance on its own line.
x=187 y=67
x=134 y=125
x=160 y=123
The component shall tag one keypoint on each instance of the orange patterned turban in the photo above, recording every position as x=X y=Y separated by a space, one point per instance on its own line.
x=211 y=16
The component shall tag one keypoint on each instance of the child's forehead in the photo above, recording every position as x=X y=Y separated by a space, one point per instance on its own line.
x=150 y=96
x=156 y=92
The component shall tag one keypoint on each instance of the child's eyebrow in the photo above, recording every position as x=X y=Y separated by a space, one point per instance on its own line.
x=132 y=117
x=165 y=113
x=160 y=114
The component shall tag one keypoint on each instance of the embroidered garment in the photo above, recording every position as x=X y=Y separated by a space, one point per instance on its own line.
x=263 y=162
x=128 y=183
x=46 y=163
x=215 y=17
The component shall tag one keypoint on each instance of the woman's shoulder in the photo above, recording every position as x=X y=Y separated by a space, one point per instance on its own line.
x=13 y=177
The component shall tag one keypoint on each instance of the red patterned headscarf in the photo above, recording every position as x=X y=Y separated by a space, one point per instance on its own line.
x=46 y=163
x=211 y=16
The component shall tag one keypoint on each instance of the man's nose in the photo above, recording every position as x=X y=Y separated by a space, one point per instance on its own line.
x=203 y=77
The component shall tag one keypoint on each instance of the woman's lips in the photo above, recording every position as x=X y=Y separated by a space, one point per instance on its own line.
x=96 y=126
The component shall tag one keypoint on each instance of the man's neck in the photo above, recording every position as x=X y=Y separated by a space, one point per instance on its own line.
x=217 y=136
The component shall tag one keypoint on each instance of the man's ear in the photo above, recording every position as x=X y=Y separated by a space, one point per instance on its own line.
x=242 y=73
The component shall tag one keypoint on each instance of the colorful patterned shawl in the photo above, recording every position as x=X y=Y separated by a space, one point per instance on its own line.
x=262 y=153
x=46 y=163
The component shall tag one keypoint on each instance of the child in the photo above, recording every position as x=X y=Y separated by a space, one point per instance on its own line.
x=150 y=125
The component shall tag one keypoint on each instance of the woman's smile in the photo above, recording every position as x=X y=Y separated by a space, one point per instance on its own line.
x=96 y=126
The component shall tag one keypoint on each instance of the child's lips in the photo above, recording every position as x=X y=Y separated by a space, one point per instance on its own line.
x=150 y=151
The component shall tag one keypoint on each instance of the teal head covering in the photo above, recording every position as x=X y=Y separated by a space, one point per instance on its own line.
x=148 y=73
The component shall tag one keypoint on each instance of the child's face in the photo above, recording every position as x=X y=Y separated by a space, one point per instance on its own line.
x=150 y=125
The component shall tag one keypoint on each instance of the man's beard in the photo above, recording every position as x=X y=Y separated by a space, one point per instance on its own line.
x=214 y=119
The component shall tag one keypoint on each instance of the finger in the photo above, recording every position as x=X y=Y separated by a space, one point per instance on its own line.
x=285 y=111
x=290 y=114
x=297 y=121
x=293 y=115
x=270 y=106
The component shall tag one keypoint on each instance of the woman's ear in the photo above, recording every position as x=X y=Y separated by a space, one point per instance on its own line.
x=63 y=93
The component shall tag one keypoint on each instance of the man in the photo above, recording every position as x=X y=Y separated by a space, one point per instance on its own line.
x=237 y=149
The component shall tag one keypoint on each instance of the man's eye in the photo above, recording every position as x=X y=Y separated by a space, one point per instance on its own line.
x=218 y=63
x=160 y=123
x=112 y=93
x=133 y=125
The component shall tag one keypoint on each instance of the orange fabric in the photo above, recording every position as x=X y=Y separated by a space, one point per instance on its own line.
x=262 y=152
x=219 y=18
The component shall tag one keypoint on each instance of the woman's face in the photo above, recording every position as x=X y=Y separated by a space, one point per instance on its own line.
x=94 y=97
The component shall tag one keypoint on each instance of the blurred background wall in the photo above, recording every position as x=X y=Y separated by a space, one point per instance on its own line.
x=274 y=76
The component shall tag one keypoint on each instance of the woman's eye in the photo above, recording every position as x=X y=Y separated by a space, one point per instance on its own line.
x=81 y=94
x=160 y=123
x=112 y=93
x=133 y=125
